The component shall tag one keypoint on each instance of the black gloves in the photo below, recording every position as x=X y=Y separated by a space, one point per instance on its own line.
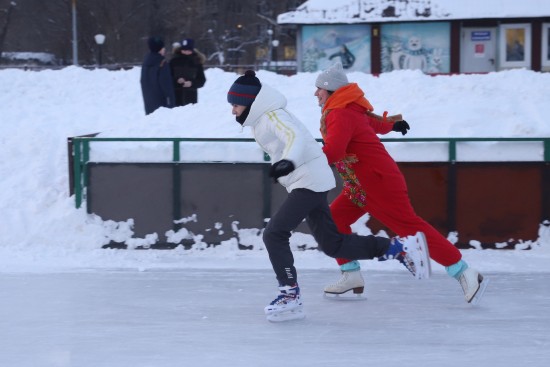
x=401 y=126
x=281 y=168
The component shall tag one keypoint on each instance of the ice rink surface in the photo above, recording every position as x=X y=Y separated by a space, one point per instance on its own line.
x=165 y=318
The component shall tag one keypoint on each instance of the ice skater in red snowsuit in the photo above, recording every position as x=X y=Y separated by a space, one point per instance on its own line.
x=372 y=180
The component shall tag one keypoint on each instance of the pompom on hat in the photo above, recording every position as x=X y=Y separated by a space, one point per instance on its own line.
x=245 y=89
x=332 y=78
x=188 y=44
x=155 y=44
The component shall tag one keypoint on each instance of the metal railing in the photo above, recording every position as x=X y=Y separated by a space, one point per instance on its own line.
x=79 y=150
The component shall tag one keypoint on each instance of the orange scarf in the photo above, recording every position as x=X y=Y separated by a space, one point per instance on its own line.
x=345 y=95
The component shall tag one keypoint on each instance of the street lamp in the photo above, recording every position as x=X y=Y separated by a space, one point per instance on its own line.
x=75 y=39
x=100 y=40
x=275 y=44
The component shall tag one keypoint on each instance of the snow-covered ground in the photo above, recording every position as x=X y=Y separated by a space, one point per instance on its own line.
x=67 y=302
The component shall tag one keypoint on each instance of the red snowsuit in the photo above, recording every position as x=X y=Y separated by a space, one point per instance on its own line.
x=348 y=132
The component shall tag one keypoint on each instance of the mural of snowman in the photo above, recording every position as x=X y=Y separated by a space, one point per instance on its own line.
x=415 y=59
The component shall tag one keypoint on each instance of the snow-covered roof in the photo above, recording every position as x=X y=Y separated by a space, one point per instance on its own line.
x=361 y=11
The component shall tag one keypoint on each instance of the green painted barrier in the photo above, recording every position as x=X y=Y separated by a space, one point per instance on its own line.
x=81 y=151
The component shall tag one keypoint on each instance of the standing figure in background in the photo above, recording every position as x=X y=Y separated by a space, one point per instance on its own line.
x=188 y=72
x=302 y=168
x=373 y=182
x=156 y=78
x=346 y=57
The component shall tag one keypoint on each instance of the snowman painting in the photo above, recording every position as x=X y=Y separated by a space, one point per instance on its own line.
x=415 y=59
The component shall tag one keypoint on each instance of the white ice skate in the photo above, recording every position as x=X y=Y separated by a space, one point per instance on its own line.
x=473 y=284
x=418 y=255
x=349 y=281
x=287 y=306
x=413 y=253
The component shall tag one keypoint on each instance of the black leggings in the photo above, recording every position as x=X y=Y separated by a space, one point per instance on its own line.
x=313 y=206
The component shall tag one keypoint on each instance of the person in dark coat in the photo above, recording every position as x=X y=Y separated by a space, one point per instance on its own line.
x=156 y=78
x=187 y=72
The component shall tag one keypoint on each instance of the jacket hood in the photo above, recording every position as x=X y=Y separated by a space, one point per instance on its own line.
x=268 y=99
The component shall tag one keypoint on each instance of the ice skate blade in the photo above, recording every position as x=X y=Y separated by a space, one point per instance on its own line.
x=480 y=292
x=423 y=269
x=286 y=316
x=347 y=296
x=287 y=308
x=428 y=263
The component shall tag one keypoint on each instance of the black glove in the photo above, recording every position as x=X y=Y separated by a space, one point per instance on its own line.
x=281 y=168
x=401 y=126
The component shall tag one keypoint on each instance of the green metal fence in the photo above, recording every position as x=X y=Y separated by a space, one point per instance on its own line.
x=79 y=150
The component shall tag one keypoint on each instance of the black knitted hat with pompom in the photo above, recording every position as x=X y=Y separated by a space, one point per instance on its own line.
x=245 y=89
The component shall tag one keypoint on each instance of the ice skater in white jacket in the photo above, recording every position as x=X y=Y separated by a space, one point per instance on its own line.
x=302 y=168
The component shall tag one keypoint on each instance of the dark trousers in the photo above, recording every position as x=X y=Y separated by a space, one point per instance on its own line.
x=313 y=206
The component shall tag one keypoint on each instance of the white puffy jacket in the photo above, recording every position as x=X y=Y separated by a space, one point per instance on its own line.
x=283 y=136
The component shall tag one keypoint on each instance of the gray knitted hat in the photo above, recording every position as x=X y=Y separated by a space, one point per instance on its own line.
x=332 y=78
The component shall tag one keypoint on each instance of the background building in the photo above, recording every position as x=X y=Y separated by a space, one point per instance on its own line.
x=434 y=36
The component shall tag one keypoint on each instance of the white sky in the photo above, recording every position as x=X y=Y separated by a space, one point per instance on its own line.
x=41 y=229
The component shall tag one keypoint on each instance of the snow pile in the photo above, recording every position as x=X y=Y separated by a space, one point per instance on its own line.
x=40 y=110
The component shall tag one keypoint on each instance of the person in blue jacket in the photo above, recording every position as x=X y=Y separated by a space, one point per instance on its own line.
x=156 y=78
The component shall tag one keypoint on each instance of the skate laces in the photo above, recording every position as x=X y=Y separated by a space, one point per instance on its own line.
x=282 y=299
x=286 y=295
x=342 y=279
x=407 y=262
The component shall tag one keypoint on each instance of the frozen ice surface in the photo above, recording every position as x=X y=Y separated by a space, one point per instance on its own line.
x=165 y=318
